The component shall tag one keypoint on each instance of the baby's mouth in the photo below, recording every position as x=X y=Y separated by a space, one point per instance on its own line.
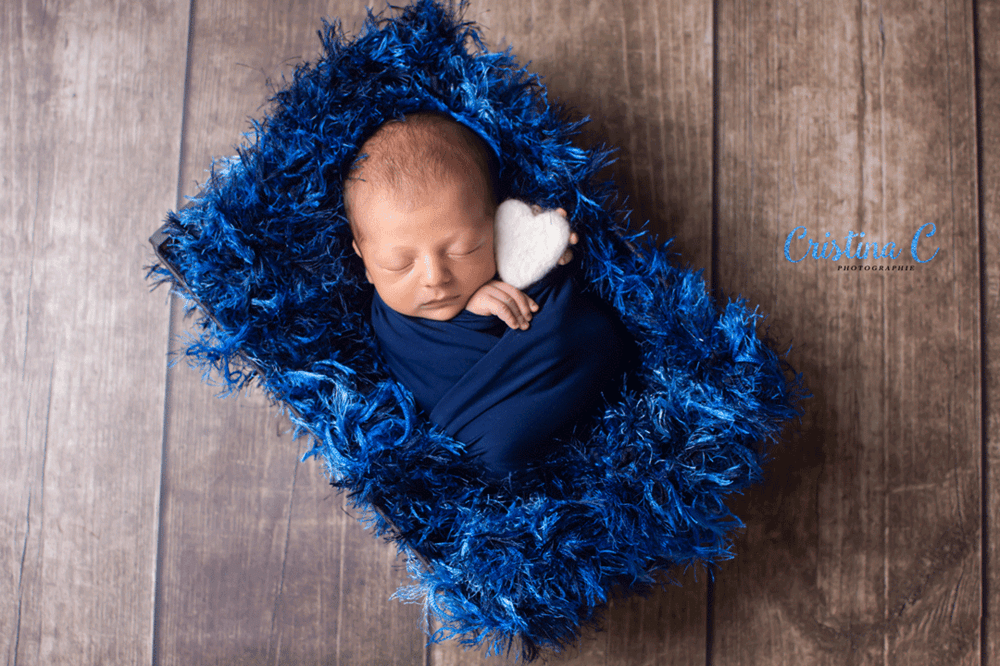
x=438 y=302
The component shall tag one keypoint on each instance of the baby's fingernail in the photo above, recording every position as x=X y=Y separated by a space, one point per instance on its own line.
x=534 y=306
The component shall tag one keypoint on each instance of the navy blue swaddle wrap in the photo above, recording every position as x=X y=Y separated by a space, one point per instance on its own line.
x=505 y=392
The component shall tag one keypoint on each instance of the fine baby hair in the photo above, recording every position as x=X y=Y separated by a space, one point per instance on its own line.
x=417 y=151
x=639 y=488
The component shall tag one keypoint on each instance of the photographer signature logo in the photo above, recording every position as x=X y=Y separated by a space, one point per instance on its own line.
x=856 y=247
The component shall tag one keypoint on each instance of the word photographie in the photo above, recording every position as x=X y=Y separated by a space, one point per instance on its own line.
x=830 y=248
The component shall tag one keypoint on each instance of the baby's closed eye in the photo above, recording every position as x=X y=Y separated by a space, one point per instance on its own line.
x=466 y=250
x=396 y=266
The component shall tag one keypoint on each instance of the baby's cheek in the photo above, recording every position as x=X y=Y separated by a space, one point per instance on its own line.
x=477 y=282
x=487 y=265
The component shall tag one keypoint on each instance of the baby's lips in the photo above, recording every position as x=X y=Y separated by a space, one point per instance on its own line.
x=437 y=302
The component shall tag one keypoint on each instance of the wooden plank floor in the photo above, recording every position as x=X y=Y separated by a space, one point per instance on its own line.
x=865 y=545
x=90 y=112
x=146 y=522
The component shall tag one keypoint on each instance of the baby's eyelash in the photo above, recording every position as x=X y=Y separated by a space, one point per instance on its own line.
x=463 y=254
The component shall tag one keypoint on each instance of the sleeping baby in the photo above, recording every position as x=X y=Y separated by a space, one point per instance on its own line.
x=507 y=371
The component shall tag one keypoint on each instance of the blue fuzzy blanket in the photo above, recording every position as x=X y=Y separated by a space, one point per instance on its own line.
x=265 y=250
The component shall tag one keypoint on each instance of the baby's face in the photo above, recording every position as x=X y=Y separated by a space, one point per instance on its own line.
x=426 y=254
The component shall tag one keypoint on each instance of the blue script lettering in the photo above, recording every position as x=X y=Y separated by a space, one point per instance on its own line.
x=788 y=243
x=831 y=249
x=916 y=241
x=850 y=237
x=833 y=255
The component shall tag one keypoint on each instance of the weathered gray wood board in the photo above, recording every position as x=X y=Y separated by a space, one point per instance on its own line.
x=90 y=111
x=988 y=82
x=864 y=545
x=260 y=562
x=146 y=521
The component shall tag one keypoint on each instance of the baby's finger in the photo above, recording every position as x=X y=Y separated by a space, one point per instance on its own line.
x=567 y=256
x=521 y=300
x=500 y=305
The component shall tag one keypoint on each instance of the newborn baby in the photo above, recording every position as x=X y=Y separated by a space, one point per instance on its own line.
x=504 y=370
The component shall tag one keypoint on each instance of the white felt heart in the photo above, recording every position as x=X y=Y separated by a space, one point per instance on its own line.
x=528 y=245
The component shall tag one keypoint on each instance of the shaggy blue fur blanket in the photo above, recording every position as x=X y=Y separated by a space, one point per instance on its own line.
x=639 y=488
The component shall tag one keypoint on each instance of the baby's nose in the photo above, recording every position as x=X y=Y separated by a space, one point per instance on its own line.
x=435 y=271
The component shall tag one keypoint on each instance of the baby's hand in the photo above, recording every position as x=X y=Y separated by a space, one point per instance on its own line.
x=567 y=256
x=498 y=298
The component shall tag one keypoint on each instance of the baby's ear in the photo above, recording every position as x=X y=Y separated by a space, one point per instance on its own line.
x=357 y=251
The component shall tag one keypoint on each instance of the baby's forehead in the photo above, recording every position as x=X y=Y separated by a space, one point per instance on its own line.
x=391 y=218
x=424 y=191
x=406 y=161
x=415 y=187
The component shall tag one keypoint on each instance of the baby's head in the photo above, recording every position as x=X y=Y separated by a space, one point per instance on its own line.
x=421 y=203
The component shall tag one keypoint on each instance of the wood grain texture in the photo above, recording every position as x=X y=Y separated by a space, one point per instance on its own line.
x=261 y=564
x=864 y=545
x=660 y=629
x=988 y=82
x=90 y=106
x=643 y=72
